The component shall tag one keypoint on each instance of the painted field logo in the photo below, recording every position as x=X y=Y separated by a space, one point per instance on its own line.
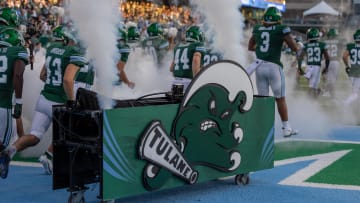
x=203 y=132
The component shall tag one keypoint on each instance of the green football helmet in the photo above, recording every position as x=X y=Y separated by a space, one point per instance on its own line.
x=133 y=33
x=11 y=37
x=313 y=34
x=154 y=30
x=62 y=33
x=272 y=16
x=9 y=17
x=122 y=34
x=194 y=34
x=357 y=36
x=332 y=33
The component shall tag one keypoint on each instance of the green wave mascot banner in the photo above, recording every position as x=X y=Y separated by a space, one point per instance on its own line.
x=219 y=129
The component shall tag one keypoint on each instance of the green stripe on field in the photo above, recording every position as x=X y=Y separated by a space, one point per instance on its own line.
x=345 y=171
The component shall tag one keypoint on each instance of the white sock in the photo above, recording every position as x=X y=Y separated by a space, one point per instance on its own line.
x=286 y=124
x=12 y=151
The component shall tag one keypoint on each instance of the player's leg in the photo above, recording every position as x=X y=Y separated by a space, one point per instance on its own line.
x=6 y=132
x=262 y=82
x=354 y=93
x=277 y=84
x=19 y=127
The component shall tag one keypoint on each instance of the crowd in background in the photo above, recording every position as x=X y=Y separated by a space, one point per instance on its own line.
x=39 y=17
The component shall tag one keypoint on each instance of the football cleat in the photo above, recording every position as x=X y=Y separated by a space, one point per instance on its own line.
x=4 y=164
x=46 y=161
x=287 y=132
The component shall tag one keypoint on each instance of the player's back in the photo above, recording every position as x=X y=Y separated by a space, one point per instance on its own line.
x=8 y=56
x=314 y=52
x=211 y=56
x=354 y=54
x=156 y=47
x=183 y=57
x=334 y=48
x=269 y=41
x=58 y=57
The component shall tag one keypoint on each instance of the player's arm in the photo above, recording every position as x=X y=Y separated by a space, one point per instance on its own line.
x=345 y=59
x=43 y=73
x=18 y=81
x=291 y=43
x=172 y=66
x=69 y=78
x=252 y=43
x=123 y=75
x=196 y=63
x=327 y=61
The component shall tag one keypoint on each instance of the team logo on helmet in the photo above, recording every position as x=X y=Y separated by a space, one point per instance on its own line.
x=194 y=34
x=271 y=16
x=313 y=34
x=11 y=37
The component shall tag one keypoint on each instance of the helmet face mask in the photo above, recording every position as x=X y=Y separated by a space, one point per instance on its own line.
x=272 y=16
x=357 y=36
x=313 y=34
x=194 y=34
x=9 y=17
x=154 y=30
x=11 y=37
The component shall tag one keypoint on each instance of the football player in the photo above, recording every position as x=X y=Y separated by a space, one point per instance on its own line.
x=267 y=40
x=63 y=60
x=334 y=47
x=188 y=55
x=10 y=18
x=124 y=51
x=133 y=36
x=13 y=58
x=155 y=44
x=351 y=58
x=314 y=50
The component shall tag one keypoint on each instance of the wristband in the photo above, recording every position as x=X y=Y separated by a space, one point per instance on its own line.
x=18 y=100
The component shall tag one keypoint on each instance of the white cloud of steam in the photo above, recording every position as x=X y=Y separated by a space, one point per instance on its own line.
x=96 y=23
x=225 y=27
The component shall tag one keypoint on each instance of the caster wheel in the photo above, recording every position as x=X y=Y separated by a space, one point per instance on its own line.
x=245 y=180
x=76 y=198
x=242 y=179
x=238 y=179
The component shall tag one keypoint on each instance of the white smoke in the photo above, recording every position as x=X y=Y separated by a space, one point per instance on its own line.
x=96 y=23
x=225 y=29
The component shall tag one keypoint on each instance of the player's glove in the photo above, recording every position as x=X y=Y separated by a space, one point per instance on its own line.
x=17 y=110
x=347 y=70
x=70 y=105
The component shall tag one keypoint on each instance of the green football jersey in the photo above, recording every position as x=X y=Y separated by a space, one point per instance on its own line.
x=314 y=52
x=210 y=57
x=354 y=55
x=183 y=57
x=124 y=51
x=58 y=57
x=8 y=56
x=269 y=42
x=334 y=48
x=156 y=47
x=86 y=75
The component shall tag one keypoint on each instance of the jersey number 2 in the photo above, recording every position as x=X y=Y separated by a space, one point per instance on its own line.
x=3 y=69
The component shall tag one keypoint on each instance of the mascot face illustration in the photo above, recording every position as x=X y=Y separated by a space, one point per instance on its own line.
x=204 y=128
